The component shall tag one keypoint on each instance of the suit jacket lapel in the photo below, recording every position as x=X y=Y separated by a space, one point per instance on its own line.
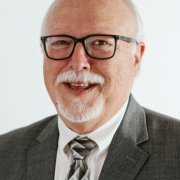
x=125 y=159
x=41 y=157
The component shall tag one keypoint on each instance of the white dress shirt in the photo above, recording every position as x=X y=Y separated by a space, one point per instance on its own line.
x=95 y=160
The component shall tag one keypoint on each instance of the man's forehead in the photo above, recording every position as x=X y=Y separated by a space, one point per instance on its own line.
x=88 y=14
x=90 y=7
x=75 y=3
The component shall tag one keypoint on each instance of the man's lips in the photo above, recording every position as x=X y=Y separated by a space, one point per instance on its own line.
x=80 y=86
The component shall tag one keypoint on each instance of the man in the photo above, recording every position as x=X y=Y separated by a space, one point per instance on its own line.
x=92 y=53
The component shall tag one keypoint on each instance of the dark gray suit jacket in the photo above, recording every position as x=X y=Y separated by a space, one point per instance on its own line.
x=146 y=146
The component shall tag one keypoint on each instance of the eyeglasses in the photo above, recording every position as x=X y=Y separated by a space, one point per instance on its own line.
x=59 y=47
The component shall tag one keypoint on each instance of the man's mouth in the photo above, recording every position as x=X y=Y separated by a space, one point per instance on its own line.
x=80 y=86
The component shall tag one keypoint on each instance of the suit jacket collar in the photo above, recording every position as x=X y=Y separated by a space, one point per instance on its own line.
x=133 y=126
x=125 y=159
x=41 y=156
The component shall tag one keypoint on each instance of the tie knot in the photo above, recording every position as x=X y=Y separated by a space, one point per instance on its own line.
x=81 y=147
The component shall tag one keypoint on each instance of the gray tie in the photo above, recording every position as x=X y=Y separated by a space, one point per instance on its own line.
x=80 y=147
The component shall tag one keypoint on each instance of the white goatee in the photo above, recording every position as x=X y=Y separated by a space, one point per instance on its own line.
x=79 y=111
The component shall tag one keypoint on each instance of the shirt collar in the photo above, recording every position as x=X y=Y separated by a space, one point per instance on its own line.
x=102 y=136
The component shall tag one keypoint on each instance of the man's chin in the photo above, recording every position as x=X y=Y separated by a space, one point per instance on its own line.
x=80 y=112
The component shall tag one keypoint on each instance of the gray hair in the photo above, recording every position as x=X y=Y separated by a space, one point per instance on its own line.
x=138 y=25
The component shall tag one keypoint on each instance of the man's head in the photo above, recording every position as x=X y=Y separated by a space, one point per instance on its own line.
x=87 y=91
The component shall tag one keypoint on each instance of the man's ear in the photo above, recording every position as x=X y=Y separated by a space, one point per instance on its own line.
x=138 y=57
x=42 y=48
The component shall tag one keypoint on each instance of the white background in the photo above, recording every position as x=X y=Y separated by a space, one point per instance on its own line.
x=23 y=97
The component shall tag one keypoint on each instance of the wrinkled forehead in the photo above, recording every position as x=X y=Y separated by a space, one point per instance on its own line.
x=89 y=16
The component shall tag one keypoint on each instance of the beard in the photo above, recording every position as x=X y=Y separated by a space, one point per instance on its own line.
x=80 y=111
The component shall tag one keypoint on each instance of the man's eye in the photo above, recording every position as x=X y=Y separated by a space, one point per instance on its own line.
x=101 y=43
x=60 y=43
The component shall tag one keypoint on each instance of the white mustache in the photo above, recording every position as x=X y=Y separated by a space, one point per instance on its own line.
x=81 y=76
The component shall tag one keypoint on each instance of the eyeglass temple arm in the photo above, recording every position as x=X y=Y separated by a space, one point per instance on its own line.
x=132 y=40
x=42 y=39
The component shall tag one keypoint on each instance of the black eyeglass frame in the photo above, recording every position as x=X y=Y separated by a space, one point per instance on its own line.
x=82 y=40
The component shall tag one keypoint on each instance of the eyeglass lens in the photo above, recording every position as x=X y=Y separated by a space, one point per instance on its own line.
x=97 y=46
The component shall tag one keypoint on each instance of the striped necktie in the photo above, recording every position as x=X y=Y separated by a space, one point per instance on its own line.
x=80 y=147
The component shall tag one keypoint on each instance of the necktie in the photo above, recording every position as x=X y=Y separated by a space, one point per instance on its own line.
x=80 y=147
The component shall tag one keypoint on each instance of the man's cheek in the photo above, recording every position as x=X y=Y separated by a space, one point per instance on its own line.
x=119 y=72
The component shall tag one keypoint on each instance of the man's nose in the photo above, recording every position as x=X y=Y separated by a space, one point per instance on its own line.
x=79 y=59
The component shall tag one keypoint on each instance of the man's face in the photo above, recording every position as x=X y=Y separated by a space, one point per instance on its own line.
x=79 y=19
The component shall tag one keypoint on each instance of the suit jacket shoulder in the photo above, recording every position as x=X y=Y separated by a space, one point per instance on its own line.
x=156 y=116
x=23 y=136
x=163 y=128
x=163 y=147
x=14 y=146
